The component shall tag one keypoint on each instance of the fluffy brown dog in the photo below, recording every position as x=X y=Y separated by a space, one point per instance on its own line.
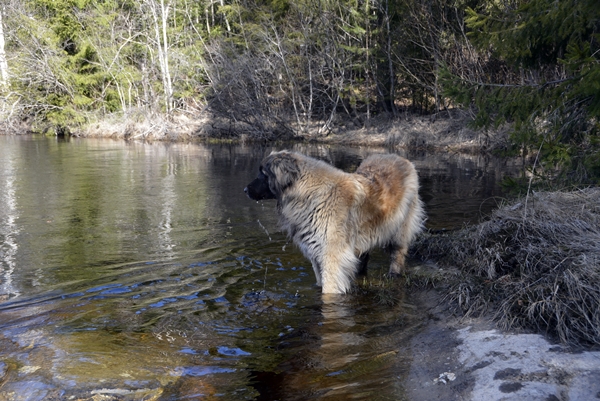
x=336 y=218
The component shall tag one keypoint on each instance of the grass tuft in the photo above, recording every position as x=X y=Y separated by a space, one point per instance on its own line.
x=535 y=264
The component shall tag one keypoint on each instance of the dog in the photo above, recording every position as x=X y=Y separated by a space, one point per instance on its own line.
x=336 y=218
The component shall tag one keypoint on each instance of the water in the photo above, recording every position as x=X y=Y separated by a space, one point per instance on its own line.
x=135 y=271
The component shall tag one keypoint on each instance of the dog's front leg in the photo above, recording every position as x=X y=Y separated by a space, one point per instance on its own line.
x=338 y=269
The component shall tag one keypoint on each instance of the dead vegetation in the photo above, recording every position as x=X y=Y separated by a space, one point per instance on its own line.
x=534 y=265
x=138 y=125
x=447 y=131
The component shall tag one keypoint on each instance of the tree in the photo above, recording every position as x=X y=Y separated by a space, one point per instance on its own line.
x=541 y=60
x=160 y=17
x=3 y=62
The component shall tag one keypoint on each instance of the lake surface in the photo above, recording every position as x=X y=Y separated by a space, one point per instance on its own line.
x=137 y=271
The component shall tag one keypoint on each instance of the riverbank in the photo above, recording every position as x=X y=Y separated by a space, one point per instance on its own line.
x=468 y=359
x=448 y=131
x=534 y=264
x=515 y=310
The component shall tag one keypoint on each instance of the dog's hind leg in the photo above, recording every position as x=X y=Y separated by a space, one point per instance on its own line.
x=398 y=248
x=398 y=259
x=362 y=266
x=411 y=226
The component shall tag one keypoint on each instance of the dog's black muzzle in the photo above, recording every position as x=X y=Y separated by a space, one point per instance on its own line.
x=259 y=188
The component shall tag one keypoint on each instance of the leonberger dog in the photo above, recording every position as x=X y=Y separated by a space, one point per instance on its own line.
x=336 y=218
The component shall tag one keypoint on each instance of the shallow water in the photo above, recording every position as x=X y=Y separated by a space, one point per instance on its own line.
x=141 y=271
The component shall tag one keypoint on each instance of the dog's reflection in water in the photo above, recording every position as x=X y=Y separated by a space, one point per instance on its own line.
x=338 y=339
x=350 y=351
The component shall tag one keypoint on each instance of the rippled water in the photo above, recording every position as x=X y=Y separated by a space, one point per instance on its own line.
x=135 y=271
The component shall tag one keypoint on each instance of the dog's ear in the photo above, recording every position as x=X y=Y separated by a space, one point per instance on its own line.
x=282 y=169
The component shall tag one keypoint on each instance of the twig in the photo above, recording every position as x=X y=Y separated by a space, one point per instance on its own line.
x=531 y=179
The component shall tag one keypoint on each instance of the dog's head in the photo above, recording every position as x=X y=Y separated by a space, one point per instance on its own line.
x=277 y=172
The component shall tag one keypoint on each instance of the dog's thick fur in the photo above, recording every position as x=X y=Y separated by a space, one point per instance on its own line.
x=336 y=218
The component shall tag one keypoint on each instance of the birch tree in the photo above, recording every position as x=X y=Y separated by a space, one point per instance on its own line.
x=160 y=15
x=3 y=62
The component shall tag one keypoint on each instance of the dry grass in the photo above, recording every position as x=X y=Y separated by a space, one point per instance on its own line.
x=534 y=264
x=446 y=131
x=140 y=125
x=382 y=289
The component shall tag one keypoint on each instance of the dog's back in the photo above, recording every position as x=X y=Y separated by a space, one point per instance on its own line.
x=393 y=214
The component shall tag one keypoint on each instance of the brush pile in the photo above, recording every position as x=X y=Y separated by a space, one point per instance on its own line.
x=535 y=264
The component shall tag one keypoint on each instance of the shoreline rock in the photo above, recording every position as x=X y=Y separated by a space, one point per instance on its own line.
x=490 y=364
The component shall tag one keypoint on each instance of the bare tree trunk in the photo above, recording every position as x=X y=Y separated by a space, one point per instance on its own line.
x=160 y=31
x=368 y=61
x=206 y=14
x=282 y=54
x=392 y=89
x=166 y=72
x=3 y=62
x=222 y=2
x=435 y=37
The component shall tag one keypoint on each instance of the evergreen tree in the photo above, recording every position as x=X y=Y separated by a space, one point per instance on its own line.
x=541 y=72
